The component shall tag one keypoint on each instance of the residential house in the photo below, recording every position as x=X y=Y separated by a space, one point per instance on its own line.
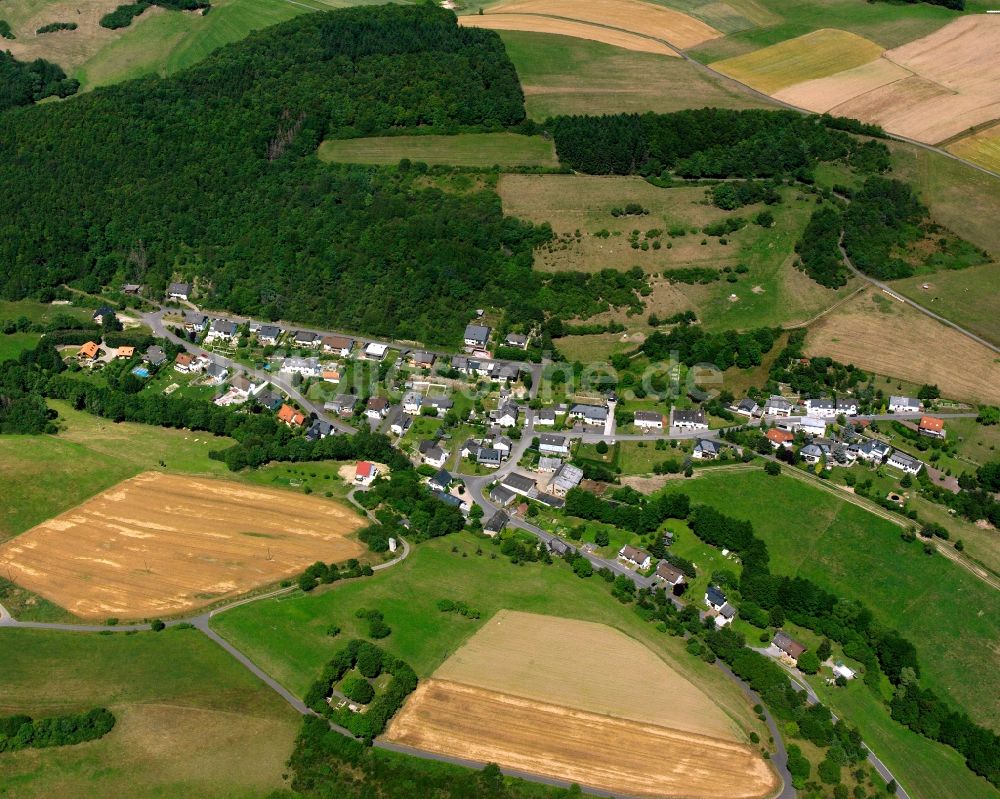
x=489 y=457
x=376 y=352
x=496 y=523
x=365 y=473
x=778 y=406
x=932 y=426
x=338 y=344
x=269 y=399
x=560 y=548
x=813 y=453
x=546 y=416
x=245 y=386
x=440 y=404
x=179 y=291
x=714 y=598
x=320 y=428
x=401 y=424
x=306 y=338
x=871 y=450
x=105 y=311
x=451 y=499
x=648 y=420
x=518 y=340
x=840 y=670
x=705 y=450
x=520 y=484
x=548 y=464
x=726 y=615
x=183 y=362
x=566 y=479
x=195 y=322
x=154 y=355
x=268 y=334
x=779 y=438
x=330 y=374
x=506 y=415
x=440 y=481
x=503 y=445
x=747 y=407
x=125 y=352
x=223 y=329
x=501 y=495
x=688 y=420
x=639 y=558
x=290 y=416
x=907 y=463
x=790 y=648
x=307 y=367
x=131 y=288
x=898 y=404
x=434 y=456
x=668 y=574
x=422 y=360
x=504 y=373
x=552 y=444
x=342 y=404
x=477 y=336
x=216 y=373
x=595 y=415
x=828 y=408
x=811 y=425
x=469 y=448
x=377 y=408
x=89 y=352
x=412 y=401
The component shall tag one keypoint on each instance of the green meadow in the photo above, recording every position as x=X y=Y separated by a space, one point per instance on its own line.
x=464 y=149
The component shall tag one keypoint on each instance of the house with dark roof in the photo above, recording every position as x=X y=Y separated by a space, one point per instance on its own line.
x=746 y=407
x=589 y=414
x=714 y=597
x=489 y=457
x=216 y=372
x=778 y=406
x=319 y=429
x=633 y=556
x=705 y=450
x=648 y=420
x=342 y=404
x=688 y=419
x=507 y=414
x=195 y=321
x=725 y=616
x=305 y=338
x=440 y=481
x=421 y=359
x=440 y=404
x=501 y=495
x=566 y=479
x=788 y=646
x=268 y=334
x=102 y=312
x=520 y=484
x=546 y=416
x=223 y=329
x=907 y=463
x=477 y=335
x=518 y=340
x=552 y=444
x=496 y=524
x=179 y=291
x=401 y=424
x=341 y=345
x=900 y=404
x=549 y=500
x=434 y=456
x=269 y=399
x=154 y=355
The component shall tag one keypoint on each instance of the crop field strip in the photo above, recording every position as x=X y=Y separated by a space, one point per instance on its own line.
x=638 y=17
x=161 y=544
x=576 y=746
x=566 y=27
x=982 y=148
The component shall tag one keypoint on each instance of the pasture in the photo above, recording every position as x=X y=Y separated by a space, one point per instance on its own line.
x=161 y=544
x=814 y=55
x=566 y=75
x=191 y=721
x=570 y=28
x=465 y=149
x=576 y=746
x=845 y=549
x=770 y=291
x=287 y=636
x=647 y=19
x=884 y=336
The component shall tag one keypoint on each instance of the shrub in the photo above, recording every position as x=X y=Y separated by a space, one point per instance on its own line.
x=122 y=16
x=359 y=690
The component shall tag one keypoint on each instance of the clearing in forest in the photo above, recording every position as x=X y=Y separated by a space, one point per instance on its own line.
x=160 y=544
x=584 y=703
x=464 y=149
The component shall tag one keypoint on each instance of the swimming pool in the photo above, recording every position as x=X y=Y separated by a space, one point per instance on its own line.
x=141 y=371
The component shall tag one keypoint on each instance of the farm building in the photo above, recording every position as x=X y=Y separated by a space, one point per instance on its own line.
x=520 y=484
x=906 y=463
x=567 y=478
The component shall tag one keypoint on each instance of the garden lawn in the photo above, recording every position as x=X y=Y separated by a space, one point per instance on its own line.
x=951 y=617
x=190 y=720
x=288 y=637
x=12 y=345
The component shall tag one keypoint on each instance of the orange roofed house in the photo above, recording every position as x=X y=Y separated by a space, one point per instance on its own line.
x=125 y=352
x=365 y=473
x=89 y=351
x=932 y=426
x=291 y=417
x=779 y=438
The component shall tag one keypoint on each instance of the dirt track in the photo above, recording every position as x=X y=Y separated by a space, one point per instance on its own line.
x=161 y=544
x=614 y=754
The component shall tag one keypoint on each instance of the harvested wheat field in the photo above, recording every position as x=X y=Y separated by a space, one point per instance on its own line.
x=567 y=27
x=628 y=15
x=582 y=663
x=575 y=746
x=981 y=148
x=160 y=544
x=580 y=702
x=815 y=55
x=822 y=94
x=884 y=336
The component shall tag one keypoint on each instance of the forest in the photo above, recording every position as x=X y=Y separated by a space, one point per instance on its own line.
x=27 y=82
x=209 y=156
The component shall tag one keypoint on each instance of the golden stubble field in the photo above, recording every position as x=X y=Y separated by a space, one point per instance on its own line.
x=568 y=27
x=584 y=703
x=162 y=544
x=884 y=336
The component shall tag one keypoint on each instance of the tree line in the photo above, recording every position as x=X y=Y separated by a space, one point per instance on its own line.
x=23 y=732
x=693 y=345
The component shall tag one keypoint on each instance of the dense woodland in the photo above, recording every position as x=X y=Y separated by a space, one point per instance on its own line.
x=209 y=158
x=27 y=82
